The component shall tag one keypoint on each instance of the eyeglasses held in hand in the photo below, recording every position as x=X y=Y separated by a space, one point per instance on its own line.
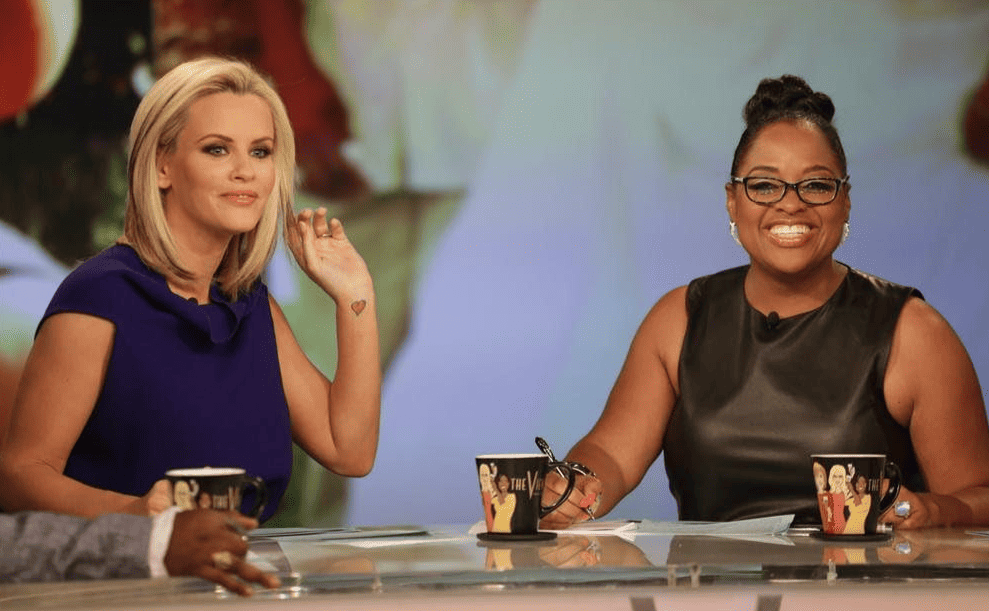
x=576 y=466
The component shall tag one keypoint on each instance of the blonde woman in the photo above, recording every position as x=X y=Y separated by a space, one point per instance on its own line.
x=839 y=494
x=166 y=350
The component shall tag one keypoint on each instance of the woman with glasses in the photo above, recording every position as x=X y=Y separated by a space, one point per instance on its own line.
x=741 y=375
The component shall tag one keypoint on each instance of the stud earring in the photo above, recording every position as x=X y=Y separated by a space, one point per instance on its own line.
x=733 y=231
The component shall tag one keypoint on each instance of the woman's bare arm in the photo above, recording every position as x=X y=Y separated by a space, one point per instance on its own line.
x=932 y=388
x=59 y=387
x=335 y=422
x=628 y=436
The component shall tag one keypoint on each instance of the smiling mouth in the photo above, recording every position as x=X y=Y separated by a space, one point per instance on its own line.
x=241 y=198
x=789 y=231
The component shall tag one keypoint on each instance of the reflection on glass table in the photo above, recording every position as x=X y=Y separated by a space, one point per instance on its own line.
x=448 y=556
x=448 y=562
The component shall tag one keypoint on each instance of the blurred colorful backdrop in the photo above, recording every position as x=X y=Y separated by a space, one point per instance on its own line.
x=525 y=178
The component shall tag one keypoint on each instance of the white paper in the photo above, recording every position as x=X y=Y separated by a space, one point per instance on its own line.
x=626 y=529
x=338 y=534
x=772 y=525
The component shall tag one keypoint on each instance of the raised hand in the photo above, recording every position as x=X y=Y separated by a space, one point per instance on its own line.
x=326 y=255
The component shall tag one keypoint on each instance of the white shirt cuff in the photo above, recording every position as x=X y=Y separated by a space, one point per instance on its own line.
x=161 y=534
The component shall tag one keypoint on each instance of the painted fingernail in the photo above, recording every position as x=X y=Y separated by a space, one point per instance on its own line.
x=588 y=500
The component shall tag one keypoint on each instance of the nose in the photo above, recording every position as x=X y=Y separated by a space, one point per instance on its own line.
x=791 y=202
x=243 y=167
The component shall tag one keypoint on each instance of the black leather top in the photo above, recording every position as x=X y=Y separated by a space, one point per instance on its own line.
x=756 y=400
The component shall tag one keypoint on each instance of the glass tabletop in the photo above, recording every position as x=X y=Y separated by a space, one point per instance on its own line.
x=410 y=566
x=447 y=556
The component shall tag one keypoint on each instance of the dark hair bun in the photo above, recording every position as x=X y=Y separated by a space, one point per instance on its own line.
x=787 y=95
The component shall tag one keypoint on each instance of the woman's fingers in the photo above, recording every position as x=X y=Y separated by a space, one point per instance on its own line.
x=211 y=544
x=249 y=572
x=311 y=227
x=243 y=522
x=159 y=498
x=909 y=511
x=319 y=223
x=336 y=230
x=225 y=578
x=585 y=495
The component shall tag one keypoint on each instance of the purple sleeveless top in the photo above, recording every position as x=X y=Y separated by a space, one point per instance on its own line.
x=187 y=385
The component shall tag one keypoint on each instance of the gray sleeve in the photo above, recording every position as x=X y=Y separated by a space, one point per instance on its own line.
x=38 y=546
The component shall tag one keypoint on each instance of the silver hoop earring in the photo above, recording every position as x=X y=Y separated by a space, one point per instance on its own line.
x=733 y=231
x=845 y=231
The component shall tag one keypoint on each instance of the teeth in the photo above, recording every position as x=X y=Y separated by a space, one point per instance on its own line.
x=788 y=230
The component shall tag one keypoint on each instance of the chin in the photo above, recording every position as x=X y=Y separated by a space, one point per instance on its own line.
x=797 y=269
x=243 y=223
x=789 y=265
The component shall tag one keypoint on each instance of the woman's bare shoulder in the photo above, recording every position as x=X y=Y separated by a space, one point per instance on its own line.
x=923 y=330
x=927 y=363
x=669 y=313
x=664 y=327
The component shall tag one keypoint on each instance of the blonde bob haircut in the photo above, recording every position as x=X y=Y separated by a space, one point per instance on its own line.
x=154 y=132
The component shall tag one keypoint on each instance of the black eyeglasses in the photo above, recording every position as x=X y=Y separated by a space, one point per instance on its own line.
x=811 y=191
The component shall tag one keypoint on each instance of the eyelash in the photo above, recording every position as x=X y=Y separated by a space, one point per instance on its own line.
x=212 y=149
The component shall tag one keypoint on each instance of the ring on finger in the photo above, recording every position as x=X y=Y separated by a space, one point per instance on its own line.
x=902 y=509
x=223 y=560
x=237 y=528
x=597 y=503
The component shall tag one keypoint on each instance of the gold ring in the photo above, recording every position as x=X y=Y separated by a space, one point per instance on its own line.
x=325 y=235
x=223 y=560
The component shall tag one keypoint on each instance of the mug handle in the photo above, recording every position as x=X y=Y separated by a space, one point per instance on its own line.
x=891 y=471
x=545 y=510
x=262 y=494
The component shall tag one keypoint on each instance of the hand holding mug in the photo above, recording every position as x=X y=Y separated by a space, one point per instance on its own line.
x=586 y=495
x=909 y=511
x=853 y=491
x=154 y=501
x=512 y=487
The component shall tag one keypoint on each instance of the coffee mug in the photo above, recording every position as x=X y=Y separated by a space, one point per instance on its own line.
x=849 y=491
x=512 y=494
x=216 y=488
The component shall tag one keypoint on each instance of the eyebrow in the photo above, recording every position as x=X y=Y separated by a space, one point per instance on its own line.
x=229 y=139
x=813 y=168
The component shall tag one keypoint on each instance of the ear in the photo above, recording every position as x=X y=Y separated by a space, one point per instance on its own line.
x=163 y=163
x=730 y=200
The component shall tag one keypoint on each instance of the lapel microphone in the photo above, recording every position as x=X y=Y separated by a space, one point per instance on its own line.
x=772 y=320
